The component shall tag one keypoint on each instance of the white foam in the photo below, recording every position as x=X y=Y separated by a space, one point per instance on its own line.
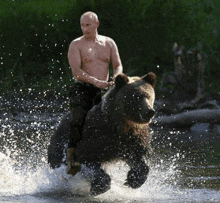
x=159 y=187
x=27 y=180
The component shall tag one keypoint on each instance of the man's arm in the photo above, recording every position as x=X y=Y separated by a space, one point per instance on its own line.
x=74 y=59
x=115 y=60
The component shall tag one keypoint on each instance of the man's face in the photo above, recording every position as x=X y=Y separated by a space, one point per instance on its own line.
x=88 y=26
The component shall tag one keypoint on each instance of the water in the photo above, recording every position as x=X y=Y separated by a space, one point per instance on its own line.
x=184 y=166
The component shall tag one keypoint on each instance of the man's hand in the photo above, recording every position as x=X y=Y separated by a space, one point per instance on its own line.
x=103 y=84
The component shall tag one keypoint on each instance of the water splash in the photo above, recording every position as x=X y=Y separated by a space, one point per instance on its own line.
x=25 y=180
x=161 y=185
x=26 y=177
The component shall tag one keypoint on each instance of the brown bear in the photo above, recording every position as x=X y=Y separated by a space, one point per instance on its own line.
x=116 y=128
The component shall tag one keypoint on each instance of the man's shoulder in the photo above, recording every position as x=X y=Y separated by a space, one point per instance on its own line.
x=77 y=41
x=106 y=39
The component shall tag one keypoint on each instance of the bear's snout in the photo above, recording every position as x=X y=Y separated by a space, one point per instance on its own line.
x=151 y=113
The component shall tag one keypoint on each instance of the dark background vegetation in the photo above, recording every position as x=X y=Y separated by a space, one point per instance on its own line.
x=35 y=36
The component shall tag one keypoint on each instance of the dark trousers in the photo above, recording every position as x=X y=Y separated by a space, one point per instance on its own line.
x=82 y=98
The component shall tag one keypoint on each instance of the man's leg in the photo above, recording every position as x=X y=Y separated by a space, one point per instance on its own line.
x=81 y=101
x=78 y=115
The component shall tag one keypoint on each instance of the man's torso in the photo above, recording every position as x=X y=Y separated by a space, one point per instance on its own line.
x=96 y=57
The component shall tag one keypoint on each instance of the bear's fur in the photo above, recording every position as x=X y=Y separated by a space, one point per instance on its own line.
x=117 y=128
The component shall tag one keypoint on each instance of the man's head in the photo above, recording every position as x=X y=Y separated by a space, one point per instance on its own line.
x=89 y=24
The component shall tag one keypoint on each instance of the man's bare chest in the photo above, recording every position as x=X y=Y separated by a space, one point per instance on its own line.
x=95 y=52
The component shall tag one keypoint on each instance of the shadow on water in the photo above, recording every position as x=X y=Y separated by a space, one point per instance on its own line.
x=185 y=164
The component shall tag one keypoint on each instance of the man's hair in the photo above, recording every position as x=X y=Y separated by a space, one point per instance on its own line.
x=91 y=15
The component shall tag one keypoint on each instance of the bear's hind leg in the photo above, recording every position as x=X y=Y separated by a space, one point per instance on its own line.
x=137 y=176
x=101 y=182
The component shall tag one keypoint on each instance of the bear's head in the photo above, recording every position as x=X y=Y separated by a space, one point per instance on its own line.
x=132 y=98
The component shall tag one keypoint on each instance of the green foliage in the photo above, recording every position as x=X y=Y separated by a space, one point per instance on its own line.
x=35 y=35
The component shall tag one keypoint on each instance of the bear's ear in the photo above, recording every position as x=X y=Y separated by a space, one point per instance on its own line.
x=121 y=80
x=150 y=78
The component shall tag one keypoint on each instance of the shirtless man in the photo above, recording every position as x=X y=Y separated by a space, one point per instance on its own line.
x=90 y=57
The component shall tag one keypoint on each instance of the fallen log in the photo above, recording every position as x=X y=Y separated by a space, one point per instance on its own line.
x=189 y=118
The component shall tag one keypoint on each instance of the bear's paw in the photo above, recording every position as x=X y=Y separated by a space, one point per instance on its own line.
x=137 y=176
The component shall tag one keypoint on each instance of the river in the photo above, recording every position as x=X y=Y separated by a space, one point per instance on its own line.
x=185 y=164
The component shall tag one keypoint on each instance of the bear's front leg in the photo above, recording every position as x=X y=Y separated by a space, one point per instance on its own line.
x=101 y=180
x=137 y=175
